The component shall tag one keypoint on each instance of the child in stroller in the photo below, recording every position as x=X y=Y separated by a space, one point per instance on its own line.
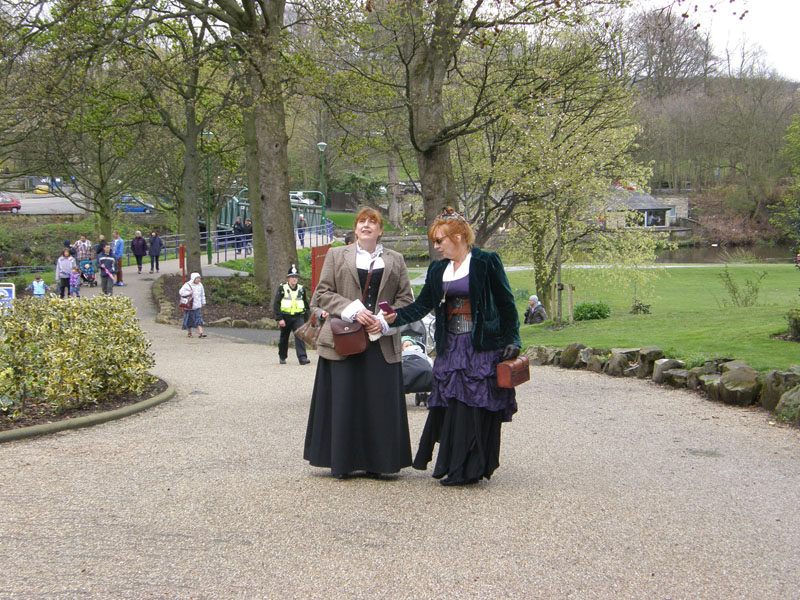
x=417 y=366
x=87 y=273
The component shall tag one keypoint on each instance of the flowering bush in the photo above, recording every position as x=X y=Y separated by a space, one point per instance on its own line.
x=70 y=352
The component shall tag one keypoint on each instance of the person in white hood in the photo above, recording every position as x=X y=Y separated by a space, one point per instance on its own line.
x=193 y=317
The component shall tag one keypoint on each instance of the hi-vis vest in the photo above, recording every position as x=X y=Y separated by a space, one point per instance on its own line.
x=292 y=302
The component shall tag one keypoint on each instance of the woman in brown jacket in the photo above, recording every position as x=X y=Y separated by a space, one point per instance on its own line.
x=358 y=419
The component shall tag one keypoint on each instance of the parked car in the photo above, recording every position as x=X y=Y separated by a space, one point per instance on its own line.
x=9 y=204
x=298 y=198
x=130 y=203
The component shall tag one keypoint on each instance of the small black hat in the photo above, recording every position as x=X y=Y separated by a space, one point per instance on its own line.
x=293 y=272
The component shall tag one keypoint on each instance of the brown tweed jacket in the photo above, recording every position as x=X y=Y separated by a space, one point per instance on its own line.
x=339 y=285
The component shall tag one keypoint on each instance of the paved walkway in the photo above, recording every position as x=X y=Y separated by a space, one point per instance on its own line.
x=607 y=488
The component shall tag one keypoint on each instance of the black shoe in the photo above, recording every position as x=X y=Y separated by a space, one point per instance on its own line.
x=304 y=361
x=340 y=476
x=283 y=361
x=457 y=482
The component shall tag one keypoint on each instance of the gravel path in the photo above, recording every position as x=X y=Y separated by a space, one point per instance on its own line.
x=607 y=488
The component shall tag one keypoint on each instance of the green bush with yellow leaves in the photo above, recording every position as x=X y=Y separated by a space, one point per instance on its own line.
x=70 y=352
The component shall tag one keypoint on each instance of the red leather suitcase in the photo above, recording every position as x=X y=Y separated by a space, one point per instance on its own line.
x=510 y=373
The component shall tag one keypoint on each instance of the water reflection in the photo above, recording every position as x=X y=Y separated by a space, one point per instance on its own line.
x=720 y=254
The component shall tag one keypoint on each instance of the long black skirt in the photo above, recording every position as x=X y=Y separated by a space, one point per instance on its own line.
x=358 y=419
x=469 y=442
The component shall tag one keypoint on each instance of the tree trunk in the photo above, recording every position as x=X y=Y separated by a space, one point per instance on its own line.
x=189 y=217
x=438 y=189
x=394 y=191
x=257 y=207
x=274 y=184
x=559 y=286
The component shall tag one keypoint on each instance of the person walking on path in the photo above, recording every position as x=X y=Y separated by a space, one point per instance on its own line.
x=477 y=326
x=301 y=229
x=248 y=235
x=38 y=287
x=535 y=313
x=64 y=266
x=155 y=250
x=238 y=234
x=101 y=244
x=139 y=249
x=106 y=266
x=83 y=249
x=118 y=251
x=75 y=283
x=291 y=310
x=358 y=420
x=193 y=317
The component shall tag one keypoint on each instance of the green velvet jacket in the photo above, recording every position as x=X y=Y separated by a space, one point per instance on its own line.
x=495 y=322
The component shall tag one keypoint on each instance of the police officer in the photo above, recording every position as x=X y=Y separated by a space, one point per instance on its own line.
x=291 y=310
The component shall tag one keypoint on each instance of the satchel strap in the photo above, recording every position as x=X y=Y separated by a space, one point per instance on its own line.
x=366 y=285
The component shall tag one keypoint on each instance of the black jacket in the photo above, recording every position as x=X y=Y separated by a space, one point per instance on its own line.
x=276 y=305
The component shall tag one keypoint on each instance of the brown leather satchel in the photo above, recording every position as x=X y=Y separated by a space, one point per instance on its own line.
x=510 y=373
x=351 y=338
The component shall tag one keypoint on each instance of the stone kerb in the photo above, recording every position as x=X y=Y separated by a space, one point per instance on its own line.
x=721 y=379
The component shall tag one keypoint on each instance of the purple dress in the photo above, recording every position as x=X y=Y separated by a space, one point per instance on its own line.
x=466 y=408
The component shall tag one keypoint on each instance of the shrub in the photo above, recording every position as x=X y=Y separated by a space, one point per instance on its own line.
x=239 y=290
x=640 y=308
x=794 y=323
x=71 y=352
x=586 y=311
x=746 y=296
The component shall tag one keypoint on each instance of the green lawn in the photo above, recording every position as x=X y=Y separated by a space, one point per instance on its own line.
x=687 y=319
x=348 y=220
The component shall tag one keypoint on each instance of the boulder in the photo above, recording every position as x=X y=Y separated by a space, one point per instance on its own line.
x=570 y=356
x=265 y=323
x=648 y=355
x=731 y=365
x=240 y=323
x=739 y=386
x=665 y=364
x=585 y=356
x=776 y=384
x=223 y=322
x=704 y=381
x=788 y=408
x=596 y=363
x=676 y=377
x=693 y=379
x=712 y=386
x=616 y=364
x=632 y=354
x=631 y=371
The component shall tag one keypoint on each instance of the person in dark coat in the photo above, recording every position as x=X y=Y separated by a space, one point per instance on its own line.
x=535 y=313
x=156 y=246
x=302 y=225
x=248 y=234
x=68 y=246
x=238 y=234
x=107 y=266
x=291 y=311
x=139 y=249
x=477 y=326
x=101 y=244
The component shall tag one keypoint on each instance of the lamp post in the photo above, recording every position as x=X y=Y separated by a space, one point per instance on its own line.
x=208 y=197
x=322 y=146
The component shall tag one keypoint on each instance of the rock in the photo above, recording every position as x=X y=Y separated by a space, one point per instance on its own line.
x=776 y=384
x=665 y=364
x=616 y=364
x=693 y=380
x=265 y=323
x=739 y=386
x=240 y=323
x=632 y=354
x=794 y=369
x=712 y=386
x=584 y=356
x=631 y=371
x=705 y=381
x=788 y=408
x=731 y=365
x=676 y=377
x=716 y=362
x=570 y=356
x=596 y=363
x=648 y=355
x=223 y=322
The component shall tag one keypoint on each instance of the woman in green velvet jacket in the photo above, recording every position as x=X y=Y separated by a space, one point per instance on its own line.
x=477 y=326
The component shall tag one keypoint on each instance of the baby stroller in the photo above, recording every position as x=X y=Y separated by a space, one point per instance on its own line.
x=417 y=366
x=87 y=272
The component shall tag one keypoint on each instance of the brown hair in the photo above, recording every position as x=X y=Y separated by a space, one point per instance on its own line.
x=450 y=223
x=368 y=213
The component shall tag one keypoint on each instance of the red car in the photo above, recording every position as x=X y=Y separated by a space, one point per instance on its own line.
x=9 y=203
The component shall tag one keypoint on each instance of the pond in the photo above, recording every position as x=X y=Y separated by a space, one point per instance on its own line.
x=723 y=254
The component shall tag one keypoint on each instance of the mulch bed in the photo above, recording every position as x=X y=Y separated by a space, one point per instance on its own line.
x=213 y=311
x=39 y=412
x=784 y=337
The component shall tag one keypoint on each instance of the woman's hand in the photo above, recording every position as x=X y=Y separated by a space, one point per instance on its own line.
x=368 y=320
x=510 y=351
x=390 y=317
x=324 y=314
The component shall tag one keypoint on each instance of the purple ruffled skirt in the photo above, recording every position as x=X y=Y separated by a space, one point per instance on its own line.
x=465 y=412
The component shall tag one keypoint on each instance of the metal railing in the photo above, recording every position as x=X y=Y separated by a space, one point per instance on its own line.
x=226 y=246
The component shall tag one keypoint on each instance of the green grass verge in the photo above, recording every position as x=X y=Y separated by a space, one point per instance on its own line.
x=689 y=318
x=348 y=221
